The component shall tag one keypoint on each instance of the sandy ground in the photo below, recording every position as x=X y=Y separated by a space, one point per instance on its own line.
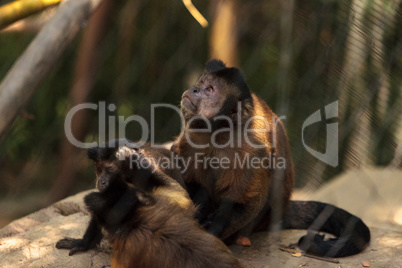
x=373 y=194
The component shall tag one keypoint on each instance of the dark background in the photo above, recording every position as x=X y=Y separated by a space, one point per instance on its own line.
x=298 y=56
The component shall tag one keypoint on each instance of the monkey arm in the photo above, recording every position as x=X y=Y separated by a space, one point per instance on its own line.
x=92 y=236
x=122 y=209
x=221 y=218
x=93 y=233
x=200 y=197
x=239 y=201
x=230 y=217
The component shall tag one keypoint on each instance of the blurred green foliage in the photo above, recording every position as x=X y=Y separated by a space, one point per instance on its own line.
x=169 y=49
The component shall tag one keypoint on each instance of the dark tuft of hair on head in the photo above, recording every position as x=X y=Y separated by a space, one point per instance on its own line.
x=231 y=75
x=93 y=153
x=214 y=65
x=108 y=149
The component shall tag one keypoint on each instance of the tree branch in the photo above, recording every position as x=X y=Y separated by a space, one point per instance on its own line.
x=39 y=58
x=17 y=10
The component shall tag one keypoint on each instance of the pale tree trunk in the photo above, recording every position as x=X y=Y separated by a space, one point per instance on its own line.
x=373 y=16
x=127 y=25
x=223 y=36
x=397 y=160
x=18 y=10
x=84 y=77
x=386 y=15
x=285 y=59
x=377 y=34
x=285 y=55
x=38 y=59
x=353 y=92
x=31 y=24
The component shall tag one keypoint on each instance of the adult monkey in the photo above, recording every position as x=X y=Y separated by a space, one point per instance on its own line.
x=241 y=174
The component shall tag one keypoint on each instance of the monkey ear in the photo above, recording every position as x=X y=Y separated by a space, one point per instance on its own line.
x=93 y=153
x=118 y=143
x=100 y=154
x=235 y=77
x=124 y=152
x=108 y=149
x=214 y=65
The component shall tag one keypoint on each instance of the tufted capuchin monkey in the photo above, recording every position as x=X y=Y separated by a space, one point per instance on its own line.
x=241 y=174
x=145 y=213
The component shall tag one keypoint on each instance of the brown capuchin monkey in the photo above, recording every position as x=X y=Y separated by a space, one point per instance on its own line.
x=240 y=172
x=145 y=213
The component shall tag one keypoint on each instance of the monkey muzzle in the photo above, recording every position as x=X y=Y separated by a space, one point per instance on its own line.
x=187 y=102
x=102 y=184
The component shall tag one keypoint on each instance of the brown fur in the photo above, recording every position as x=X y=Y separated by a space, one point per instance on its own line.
x=168 y=236
x=145 y=213
x=262 y=193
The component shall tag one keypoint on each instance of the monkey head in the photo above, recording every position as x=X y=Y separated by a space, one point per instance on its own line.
x=112 y=162
x=216 y=92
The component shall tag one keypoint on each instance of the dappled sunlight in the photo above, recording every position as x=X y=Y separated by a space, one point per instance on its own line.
x=326 y=122
x=390 y=242
x=12 y=243
x=34 y=252
x=398 y=216
x=70 y=225
x=46 y=259
x=36 y=247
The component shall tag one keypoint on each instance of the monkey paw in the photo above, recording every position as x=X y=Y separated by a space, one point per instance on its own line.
x=75 y=245
x=206 y=221
x=125 y=152
x=243 y=241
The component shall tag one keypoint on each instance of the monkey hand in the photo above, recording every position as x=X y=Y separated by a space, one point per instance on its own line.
x=205 y=224
x=206 y=221
x=75 y=245
x=216 y=225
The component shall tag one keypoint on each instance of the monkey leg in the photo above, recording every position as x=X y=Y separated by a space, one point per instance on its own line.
x=92 y=236
x=230 y=218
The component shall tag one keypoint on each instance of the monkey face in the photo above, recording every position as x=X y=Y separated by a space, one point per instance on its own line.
x=107 y=173
x=216 y=93
x=205 y=98
x=118 y=166
x=111 y=162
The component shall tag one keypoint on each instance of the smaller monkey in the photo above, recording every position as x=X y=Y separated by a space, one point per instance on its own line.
x=146 y=214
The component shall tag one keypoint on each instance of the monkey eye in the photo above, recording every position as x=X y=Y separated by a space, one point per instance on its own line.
x=209 y=89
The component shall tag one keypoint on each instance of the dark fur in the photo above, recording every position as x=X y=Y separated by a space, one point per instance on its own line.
x=232 y=201
x=148 y=217
x=351 y=232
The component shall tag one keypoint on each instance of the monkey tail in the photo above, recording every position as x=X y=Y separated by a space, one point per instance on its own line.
x=352 y=234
